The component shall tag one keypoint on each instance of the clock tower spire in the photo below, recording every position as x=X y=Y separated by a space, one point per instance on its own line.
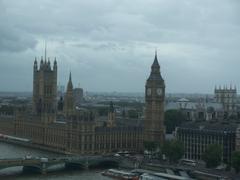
x=154 y=130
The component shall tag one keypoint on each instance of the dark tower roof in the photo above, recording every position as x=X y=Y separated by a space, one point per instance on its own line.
x=155 y=62
x=55 y=64
x=69 y=99
x=155 y=70
x=49 y=64
x=70 y=85
x=35 y=64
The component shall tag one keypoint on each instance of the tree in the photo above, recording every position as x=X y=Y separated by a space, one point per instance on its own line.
x=132 y=113
x=102 y=111
x=236 y=161
x=173 y=149
x=150 y=146
x=173 y=118
x=213 y=155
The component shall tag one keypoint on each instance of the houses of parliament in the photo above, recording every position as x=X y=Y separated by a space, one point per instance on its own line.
x=60 y=126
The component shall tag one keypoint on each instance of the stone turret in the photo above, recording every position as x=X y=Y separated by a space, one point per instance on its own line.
x=69 y=98
x=35 y=66
x=111 y=116
x=44 y=91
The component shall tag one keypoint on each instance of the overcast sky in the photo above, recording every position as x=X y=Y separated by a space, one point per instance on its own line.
x=109 y=45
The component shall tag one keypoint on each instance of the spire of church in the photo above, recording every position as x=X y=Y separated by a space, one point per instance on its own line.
x=155 y=62
x=69 y=99
x=35 y=64
x=70 y=85
x=55 y=65
x=155 y=69
x=111 y=116
x=41 y=63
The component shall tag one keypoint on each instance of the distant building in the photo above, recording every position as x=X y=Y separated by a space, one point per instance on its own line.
x=78 y=96
x=198 y=111
x=228 y=97
x=61 y=91
x=197 y=136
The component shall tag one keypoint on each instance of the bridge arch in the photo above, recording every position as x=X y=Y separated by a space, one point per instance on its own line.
x=104 y=163
x=75 y=165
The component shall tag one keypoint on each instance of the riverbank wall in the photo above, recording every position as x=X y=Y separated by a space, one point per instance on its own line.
x=34 y=146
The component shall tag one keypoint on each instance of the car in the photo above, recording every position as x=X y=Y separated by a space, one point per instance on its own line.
x=28 y=156
x=44 y=159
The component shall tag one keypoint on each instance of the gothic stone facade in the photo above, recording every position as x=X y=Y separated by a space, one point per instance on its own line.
x=62 y=127
x=154 y=110
x=66 y=129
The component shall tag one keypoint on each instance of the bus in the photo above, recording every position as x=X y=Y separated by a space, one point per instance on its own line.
x=188 y=162
x=162 y=176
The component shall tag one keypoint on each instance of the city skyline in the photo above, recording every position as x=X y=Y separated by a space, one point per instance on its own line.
x=109 y=46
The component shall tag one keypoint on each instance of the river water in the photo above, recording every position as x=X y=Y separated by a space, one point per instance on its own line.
x=14 y=151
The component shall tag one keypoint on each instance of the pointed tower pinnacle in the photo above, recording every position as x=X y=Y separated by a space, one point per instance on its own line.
x=70 y=85
x=35 y=64
x=69 y=99
x=49 y=64
x=41 y=63
x=155 y=69
x=111 y=116
x=155 y=62
x=55 y=65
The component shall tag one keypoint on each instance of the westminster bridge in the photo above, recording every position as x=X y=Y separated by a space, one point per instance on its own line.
x=42 y=165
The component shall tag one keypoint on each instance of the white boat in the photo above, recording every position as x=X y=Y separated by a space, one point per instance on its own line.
x=120 y=174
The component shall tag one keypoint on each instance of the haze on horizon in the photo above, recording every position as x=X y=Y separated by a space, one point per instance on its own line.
x=109 y=45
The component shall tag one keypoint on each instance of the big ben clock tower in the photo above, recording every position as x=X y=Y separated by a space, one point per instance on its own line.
x=154 y=130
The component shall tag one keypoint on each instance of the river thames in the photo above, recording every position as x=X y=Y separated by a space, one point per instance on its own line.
x=14 y=151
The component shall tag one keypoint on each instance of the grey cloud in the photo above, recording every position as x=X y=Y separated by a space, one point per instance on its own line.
x=12 y=38
x=12 y=42
x=105 y=46
x=109 y=45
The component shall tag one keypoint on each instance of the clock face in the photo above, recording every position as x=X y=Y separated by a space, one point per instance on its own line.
x=159 y=91
x=149 y=91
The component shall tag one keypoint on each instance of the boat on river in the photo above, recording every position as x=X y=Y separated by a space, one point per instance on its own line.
x=120 y=174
